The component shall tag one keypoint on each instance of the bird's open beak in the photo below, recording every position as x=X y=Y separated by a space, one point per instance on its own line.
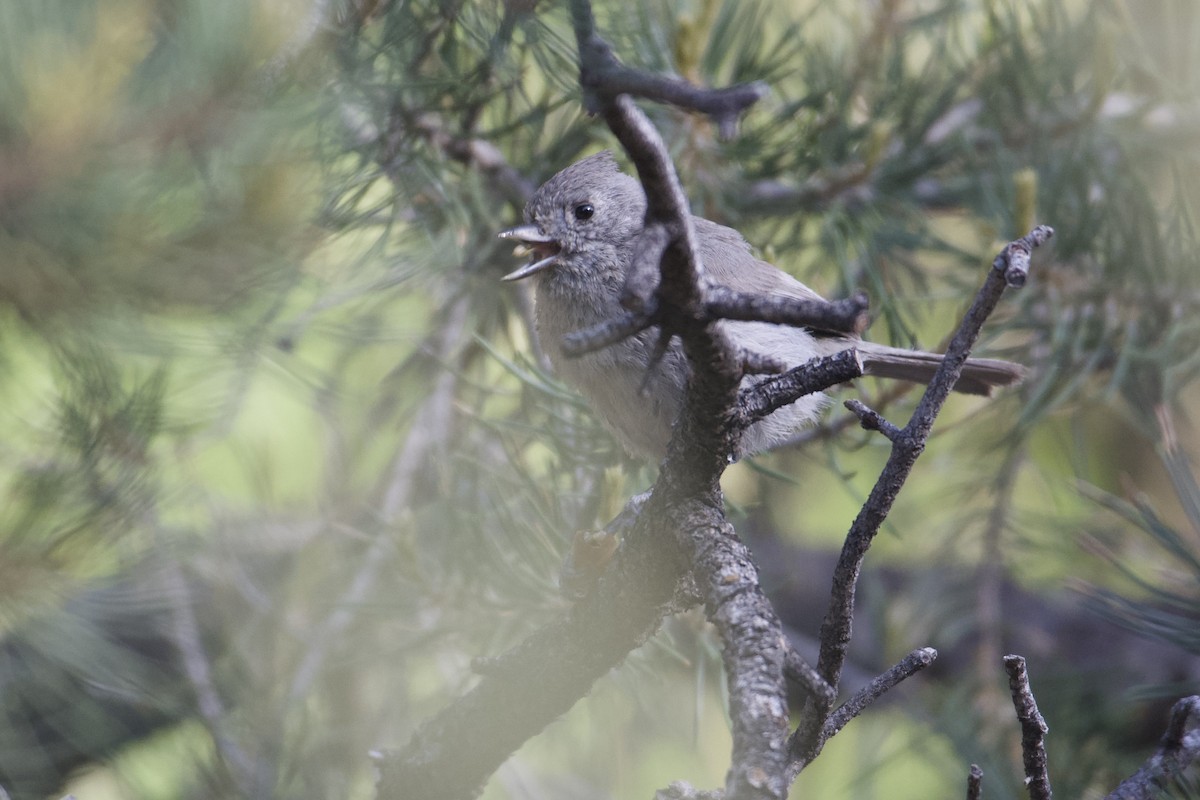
x=533 y=241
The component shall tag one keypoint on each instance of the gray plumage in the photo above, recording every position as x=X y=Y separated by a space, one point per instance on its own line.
x=582 y=224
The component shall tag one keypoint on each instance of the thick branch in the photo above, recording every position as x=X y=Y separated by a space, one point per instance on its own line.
x=700 y=449
x=698 y=454
x=1033 y=729
x=754 y=655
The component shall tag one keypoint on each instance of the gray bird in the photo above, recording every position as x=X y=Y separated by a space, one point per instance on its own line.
x=582 y=224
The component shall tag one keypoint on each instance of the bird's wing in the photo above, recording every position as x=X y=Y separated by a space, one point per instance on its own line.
x=728 y=261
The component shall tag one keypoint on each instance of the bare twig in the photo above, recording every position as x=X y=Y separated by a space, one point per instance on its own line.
x=603 y=77
x=907 y=446
x=844 y=316
x=1013 y=260
x=800 y=671
x=763 y=398
x=607 y=333
x=872 y=420
x=914 y=662
x=198 y=668
x=1178 y=749
x=975 y=783
x=1033 y=729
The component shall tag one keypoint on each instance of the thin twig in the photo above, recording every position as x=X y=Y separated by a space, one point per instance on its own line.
x=843 y=316
x=798 y=670
x=1033 y=729
x=198 y=669
x=606 y=334
x=602 y=77
x=872 y=420
x=662 y=344
x=763 y=398
x=914 y=662
x=1013 y=260
x=975 y=783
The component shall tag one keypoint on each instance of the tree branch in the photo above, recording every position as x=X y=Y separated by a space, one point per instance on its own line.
x=913 y=663
x=689 y=480
x=872 y=420
x=765 y=397
x=1178 y=749
x=907 y=446
x=607 y=333
x=975 y=783
x=799 y=671
x=843 y=316
x=603 y=77
x=1033 y=729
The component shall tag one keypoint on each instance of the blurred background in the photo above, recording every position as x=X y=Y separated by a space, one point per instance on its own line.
x=279 y=455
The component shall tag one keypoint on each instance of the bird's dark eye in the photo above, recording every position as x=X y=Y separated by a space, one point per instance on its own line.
x=584 y=211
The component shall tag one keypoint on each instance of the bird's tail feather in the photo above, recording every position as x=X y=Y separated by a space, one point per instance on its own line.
x=979 y=375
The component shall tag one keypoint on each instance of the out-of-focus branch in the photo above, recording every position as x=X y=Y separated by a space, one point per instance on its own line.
x=196 y=665
x=1178 y=750
x=519 y=693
